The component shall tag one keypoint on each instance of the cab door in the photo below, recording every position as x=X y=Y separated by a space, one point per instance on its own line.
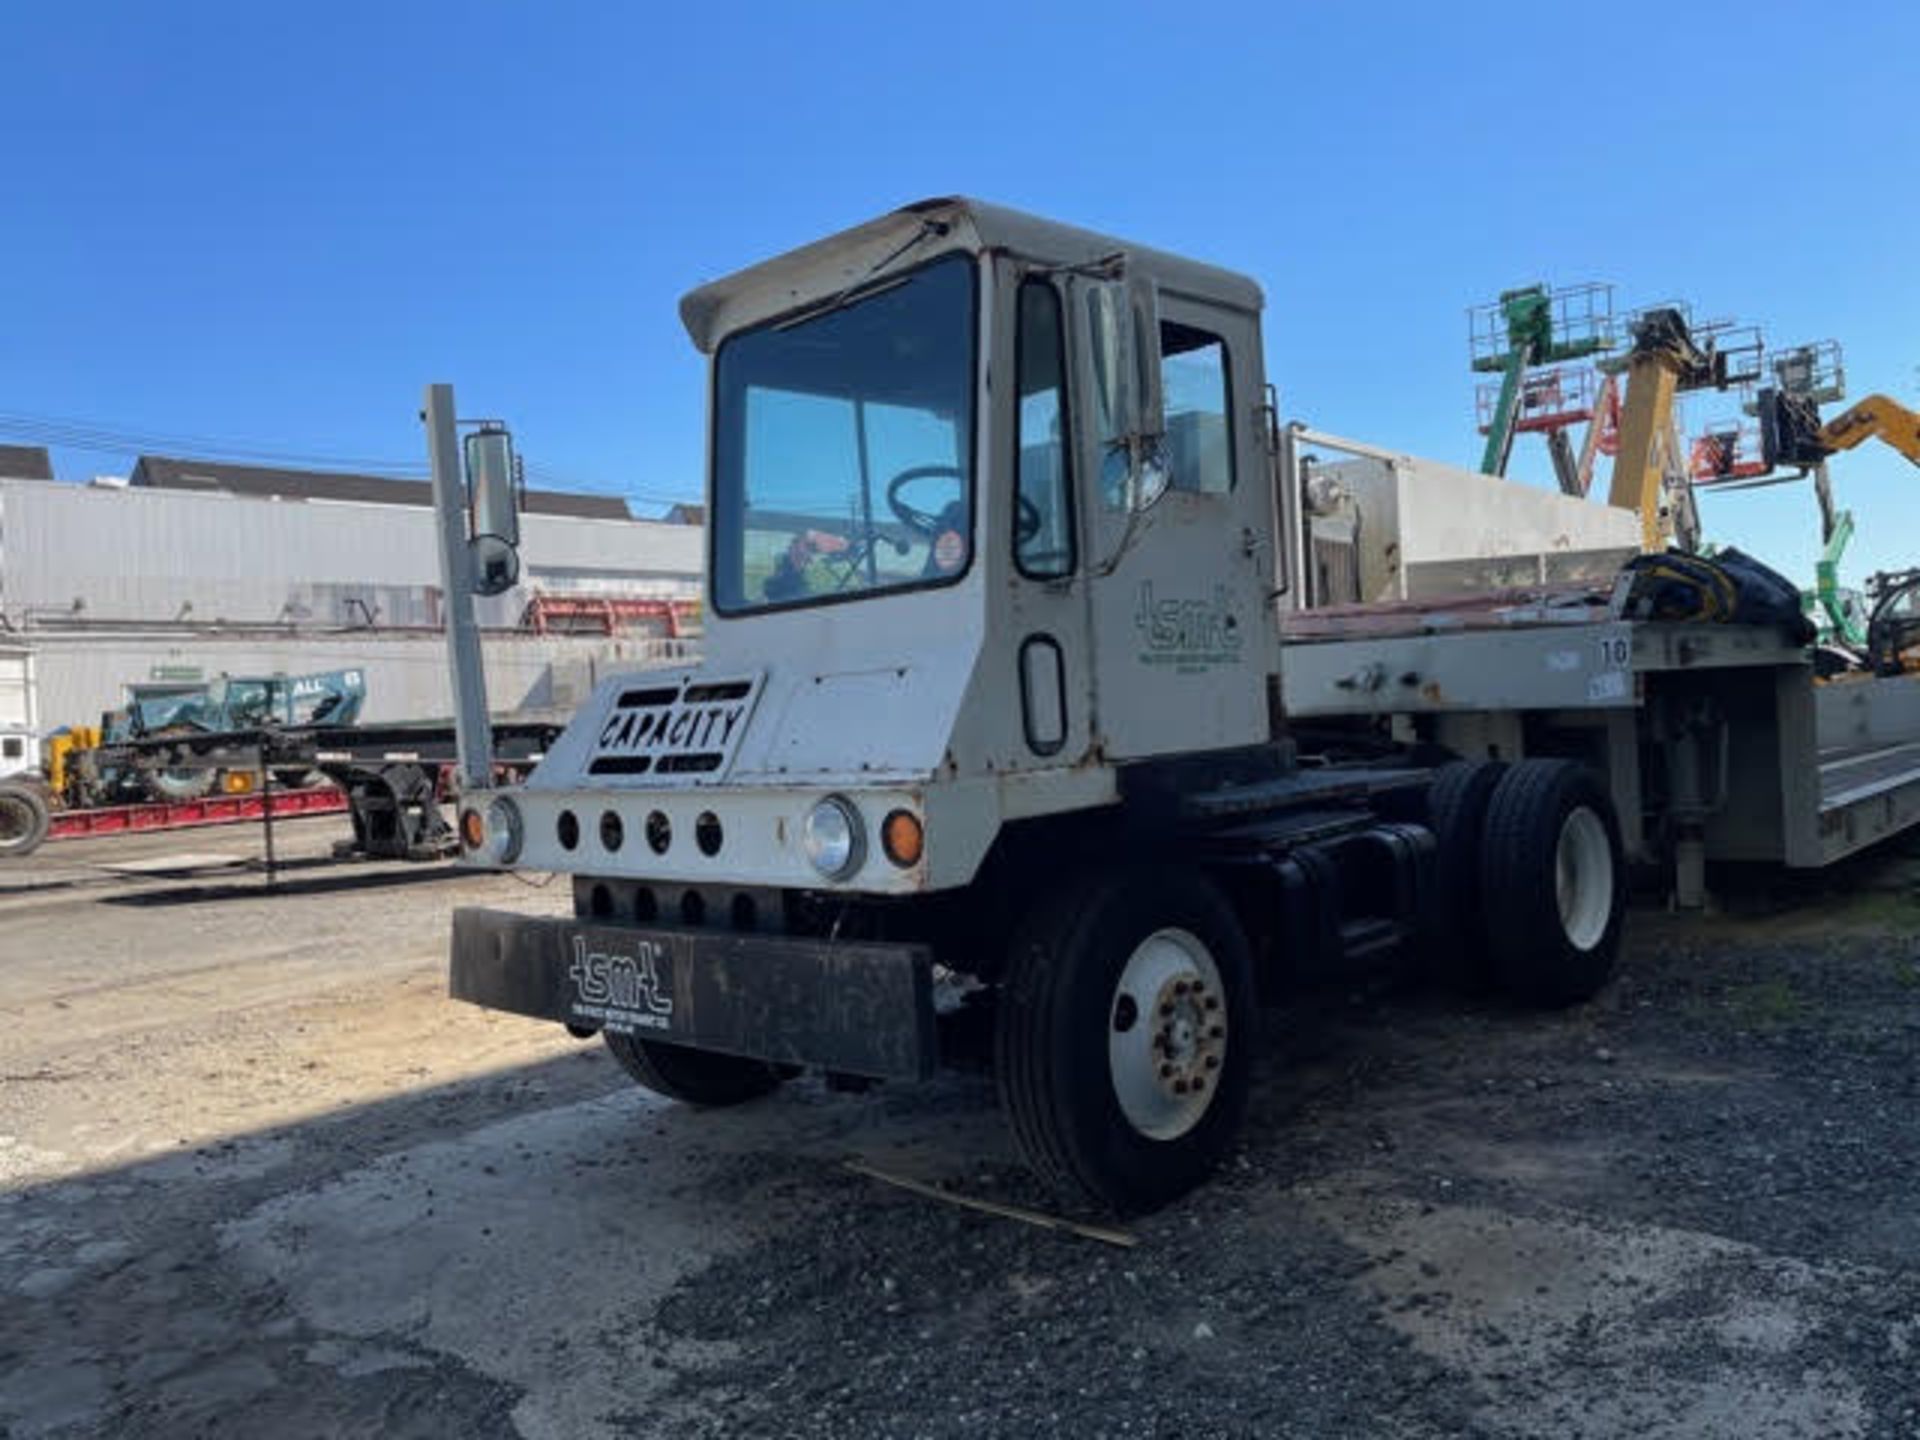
x=1038 y=519
x=1183 y=627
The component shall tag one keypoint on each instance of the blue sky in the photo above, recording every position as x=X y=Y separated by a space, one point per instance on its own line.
x=275 y=223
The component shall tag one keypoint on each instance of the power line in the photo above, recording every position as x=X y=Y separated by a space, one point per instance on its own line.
x=100 y=438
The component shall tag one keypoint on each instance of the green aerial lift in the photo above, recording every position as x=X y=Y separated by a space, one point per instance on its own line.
x=1525 y=329
x=1845 y=620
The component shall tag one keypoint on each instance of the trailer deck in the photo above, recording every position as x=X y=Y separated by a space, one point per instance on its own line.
x=1810 y=773
x=1867 y=793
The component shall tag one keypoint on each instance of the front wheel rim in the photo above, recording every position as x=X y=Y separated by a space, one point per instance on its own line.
x=1167 y=1034
x=1583 y=878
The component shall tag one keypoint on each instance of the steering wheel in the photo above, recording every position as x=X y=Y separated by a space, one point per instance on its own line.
x=1027 y=518
x=923 y=523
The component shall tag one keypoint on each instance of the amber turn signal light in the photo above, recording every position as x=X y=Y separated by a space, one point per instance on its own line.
x=902 y=838
x=473 y=829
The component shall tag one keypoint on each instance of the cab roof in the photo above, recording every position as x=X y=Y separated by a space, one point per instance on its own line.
x=917 y=232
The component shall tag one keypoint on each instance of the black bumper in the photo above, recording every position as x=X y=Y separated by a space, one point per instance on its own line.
x=861 y=1008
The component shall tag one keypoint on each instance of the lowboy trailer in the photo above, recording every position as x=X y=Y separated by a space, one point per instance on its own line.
x=388 y=778
x=1015 y=719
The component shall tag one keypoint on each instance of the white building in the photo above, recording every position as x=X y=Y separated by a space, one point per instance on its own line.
x=198 y=570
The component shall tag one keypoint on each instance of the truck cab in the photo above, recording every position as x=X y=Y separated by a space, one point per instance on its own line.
x=944 y=575
x=989 y=721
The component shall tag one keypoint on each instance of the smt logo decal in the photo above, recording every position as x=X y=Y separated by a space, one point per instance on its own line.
x=1191 y=634
x=622 y=992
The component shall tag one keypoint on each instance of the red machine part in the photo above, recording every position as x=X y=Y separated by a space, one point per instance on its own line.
x=188 y=814
x=607 y=615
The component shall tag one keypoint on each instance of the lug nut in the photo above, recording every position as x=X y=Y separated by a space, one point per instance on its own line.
x=1179 y=1087
x=1166 y=1008
x=1213 y=1002
x=1166 y=1072
x=1213 y=1062
x=1199 y=1083
x=1218 y=1032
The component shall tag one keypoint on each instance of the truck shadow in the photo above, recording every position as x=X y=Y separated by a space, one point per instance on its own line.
x=294 y=878
x=413 y=1264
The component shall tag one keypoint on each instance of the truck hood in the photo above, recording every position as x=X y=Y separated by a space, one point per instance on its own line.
x=856 y=716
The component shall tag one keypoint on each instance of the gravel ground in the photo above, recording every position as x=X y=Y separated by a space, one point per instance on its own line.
x=1686 y=1209
x=258 y=1177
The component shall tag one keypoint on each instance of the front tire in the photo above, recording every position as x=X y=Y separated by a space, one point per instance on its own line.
x=1124 y=1034
x=1554 y=883
x=694 y=1077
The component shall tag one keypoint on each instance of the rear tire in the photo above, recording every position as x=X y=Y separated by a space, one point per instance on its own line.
x=25 y=819
x=1123 y=1083
x=1554 y=883
x=694 y=1077
x=1457 y=810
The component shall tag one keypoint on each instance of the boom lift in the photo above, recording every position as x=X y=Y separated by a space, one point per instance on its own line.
x=1845 y=624
x=1011 y=725
x=1666 y=360
x=1524 y=330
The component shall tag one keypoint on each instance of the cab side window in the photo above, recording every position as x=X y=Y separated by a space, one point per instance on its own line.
x=1194 y=382
x=1043 y=542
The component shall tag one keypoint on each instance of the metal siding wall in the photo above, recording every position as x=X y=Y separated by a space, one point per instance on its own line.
x=165 y=555
x=16 y=703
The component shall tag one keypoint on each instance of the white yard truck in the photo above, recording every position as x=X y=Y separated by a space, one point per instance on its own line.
x=1016 y=735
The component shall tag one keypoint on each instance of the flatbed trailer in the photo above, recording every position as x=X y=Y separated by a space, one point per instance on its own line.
x=1717 y=741
x=391 y=779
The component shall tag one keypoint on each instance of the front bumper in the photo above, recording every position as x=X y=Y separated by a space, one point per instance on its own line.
x=857 y=1007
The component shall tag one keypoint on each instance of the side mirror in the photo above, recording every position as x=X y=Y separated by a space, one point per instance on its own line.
x=493 y=511
x=1143 y=311
x=1124 y=322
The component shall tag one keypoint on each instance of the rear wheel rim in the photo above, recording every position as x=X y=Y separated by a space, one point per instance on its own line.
x=16 y=821
x=1583 y=878
x=1167 y=1034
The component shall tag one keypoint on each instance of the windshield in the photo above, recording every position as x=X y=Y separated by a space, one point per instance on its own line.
x=843 y=446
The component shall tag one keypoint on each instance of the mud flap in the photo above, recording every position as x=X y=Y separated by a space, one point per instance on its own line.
x=861 y=1008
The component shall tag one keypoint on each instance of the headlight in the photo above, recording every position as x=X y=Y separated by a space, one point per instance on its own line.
x=492 y=836
x=833 y=838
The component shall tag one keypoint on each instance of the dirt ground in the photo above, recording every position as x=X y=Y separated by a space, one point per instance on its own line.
x=259 y=1177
